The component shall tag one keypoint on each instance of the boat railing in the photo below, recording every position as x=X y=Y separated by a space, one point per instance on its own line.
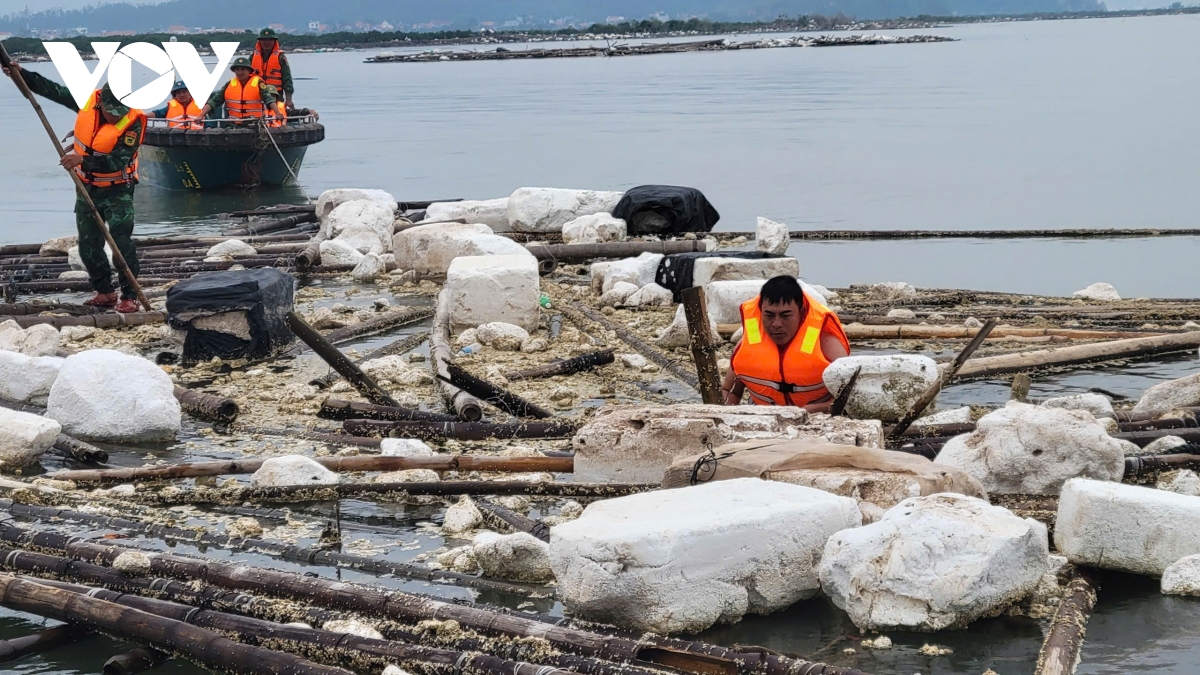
x=232 y=123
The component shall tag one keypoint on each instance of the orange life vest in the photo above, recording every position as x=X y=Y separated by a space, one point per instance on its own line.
x=280 y=118
x=183 y=118
x=95 y=137
x=243 y=102
x=269 y=69
x=792 y=377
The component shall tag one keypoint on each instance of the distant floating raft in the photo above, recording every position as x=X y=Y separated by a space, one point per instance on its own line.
x=501 y=53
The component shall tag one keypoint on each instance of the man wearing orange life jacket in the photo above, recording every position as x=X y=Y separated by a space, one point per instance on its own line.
x=788 y=339
x=104 y=155
x=246 y=96
x=181 y=109
x=271 y=64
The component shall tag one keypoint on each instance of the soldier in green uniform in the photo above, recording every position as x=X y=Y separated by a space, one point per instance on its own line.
x=106 y=161
x=246 y=96
x=271 y=64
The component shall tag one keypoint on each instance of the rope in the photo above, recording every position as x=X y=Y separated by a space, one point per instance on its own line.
x=706 y=463
x=262 y=126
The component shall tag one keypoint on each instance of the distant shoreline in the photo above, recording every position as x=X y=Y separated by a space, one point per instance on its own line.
x=31 y=50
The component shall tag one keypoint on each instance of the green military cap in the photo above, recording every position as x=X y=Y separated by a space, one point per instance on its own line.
x=266 y=34
x=241 y=62
x=111 y=104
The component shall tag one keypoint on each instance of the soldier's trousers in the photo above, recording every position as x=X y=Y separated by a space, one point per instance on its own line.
x=116 y=207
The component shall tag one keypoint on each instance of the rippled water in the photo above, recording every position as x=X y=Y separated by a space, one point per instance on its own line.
x=1027 y=125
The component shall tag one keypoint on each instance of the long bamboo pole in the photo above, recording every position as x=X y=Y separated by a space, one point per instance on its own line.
x=339 y=464
x=41 y=641
x=1060 y=652
x=704 y=352
x=465 y=406
x=203 y=646
x=695 y=657
x=1101 y=351
x=118 y=259
x=335 y=358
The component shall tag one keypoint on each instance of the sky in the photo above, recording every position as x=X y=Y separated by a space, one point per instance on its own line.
x=11 y=6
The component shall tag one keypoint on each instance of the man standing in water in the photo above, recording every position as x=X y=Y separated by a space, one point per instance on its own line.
x=108 y=135
x=788 y=339
x=271 y=64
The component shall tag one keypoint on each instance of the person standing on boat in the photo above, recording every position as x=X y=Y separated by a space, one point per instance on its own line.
x=181 y=109
x=108 y=135
x=247 y=96
x=271 y=64
x=788 y=339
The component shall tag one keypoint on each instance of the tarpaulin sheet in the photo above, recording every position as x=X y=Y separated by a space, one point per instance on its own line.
x=665 y=209
x=675 y=271
x=255 y=303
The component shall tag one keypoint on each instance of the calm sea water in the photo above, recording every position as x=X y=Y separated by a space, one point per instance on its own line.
x=1025 y=125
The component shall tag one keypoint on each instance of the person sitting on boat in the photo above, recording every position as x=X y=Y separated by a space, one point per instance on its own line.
x=788 y=339
x=181 y=109
x=104 y=154
x=247 y=96
x=271 y=64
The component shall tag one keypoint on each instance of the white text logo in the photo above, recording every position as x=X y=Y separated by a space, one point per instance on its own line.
x=178 y=57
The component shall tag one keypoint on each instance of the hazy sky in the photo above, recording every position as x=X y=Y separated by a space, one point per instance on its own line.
x=10 y=6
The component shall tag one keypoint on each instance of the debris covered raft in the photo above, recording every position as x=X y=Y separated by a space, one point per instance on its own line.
x=284 y=408
x=505 y=53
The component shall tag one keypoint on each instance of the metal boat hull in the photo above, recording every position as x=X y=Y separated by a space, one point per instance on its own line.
x=188 y=169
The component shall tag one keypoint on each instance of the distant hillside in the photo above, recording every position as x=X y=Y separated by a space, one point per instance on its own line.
x=471 y=14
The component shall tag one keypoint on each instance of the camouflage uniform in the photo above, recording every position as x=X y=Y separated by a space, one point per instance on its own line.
x=115 y=203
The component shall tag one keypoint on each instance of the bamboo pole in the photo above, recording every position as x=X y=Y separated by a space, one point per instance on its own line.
x=117 y=258
x=380 y=324
x=1061 y=651
x=465 y=406
x=569 y=253
x=902 y=332
x=353 y=647
x=41 y=641
x=108 y=320
x=695 y=657
x=462 y=431
x=663 y=361
x=387 y=491
x=80 y=451
x=197 y=644
x=1103 y=351
x=704 y=352
x=1147 y=468
x=943 y=379
x=569 y=366
x=336 y=409
x=308 y=555
x=330 y=354
x=513 y=520
x=497 y=463
x=399 y=346
x=274 y=226
x=492 y=394
x=208 y=407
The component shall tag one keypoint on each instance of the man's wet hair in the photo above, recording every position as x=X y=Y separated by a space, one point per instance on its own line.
x=782 y=290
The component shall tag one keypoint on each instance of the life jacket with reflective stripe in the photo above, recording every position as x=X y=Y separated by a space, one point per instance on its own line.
x=269 y=69
x=793 y=377
x=95 y=137
x=183 y=118
x=244 y=101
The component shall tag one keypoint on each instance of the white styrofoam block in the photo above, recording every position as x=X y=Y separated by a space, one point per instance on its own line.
x=709 y=553
x=548 y=209
x=1125 y=527
x=934 y=562
x=493 y=288
x=24 y=437
x=106 y=395
x=490 y=212
x=707 y=270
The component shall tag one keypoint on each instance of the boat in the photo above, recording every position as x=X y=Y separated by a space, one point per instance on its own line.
x=226 y=155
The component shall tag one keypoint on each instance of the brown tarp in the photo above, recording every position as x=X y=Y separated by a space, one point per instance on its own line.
x=763 y=459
